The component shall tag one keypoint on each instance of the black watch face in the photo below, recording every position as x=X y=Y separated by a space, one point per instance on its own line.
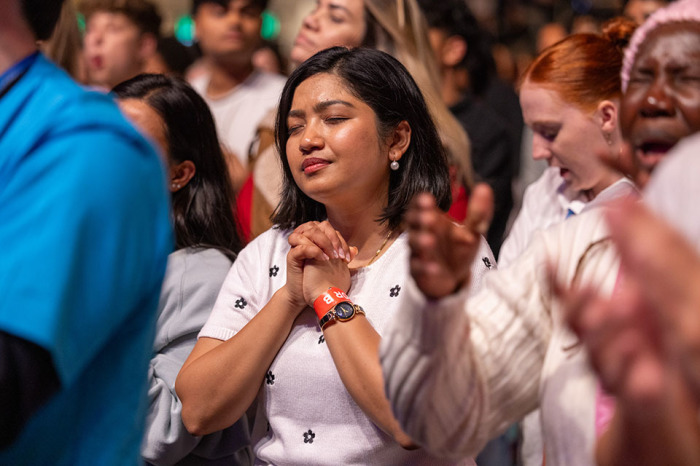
x=344 y=310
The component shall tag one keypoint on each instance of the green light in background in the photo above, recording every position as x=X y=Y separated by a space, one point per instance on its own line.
x=81 y=22
x=270 y=26
x=184 y=29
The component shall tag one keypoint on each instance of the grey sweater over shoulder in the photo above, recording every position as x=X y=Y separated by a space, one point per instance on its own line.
x=192 y=281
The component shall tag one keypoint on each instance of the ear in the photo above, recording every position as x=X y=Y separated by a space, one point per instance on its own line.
x=606 y=116
x=400 y=140
x=148 y=46
x=180 y=174
x=453 y=51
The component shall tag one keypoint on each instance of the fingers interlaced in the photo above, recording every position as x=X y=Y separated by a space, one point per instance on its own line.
x=324 y=237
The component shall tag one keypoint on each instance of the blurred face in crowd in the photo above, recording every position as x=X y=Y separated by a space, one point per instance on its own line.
x=639 y=10
x=331 y=23
x=569 y=138
x=148 y=121
x=662 y=101
x=115 y=49
x=228 y=29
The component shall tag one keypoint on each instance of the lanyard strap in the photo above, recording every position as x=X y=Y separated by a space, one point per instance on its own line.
x=10 y=77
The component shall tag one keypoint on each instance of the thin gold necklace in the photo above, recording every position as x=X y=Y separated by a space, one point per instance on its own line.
x=376 y=254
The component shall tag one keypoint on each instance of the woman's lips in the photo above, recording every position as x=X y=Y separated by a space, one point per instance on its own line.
x=313 y=165
x=303 y=41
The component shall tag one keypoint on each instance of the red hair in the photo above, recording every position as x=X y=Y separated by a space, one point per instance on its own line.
x=584 y=69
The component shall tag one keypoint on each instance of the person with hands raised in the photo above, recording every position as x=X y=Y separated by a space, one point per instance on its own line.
x=299 y=319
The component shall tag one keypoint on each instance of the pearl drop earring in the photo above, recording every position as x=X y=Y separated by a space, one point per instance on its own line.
x=394 y=165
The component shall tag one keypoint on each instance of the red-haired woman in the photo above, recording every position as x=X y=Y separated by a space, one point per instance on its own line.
x=570 y=96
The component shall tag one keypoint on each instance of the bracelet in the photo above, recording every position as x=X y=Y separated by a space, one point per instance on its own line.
x=327 y=301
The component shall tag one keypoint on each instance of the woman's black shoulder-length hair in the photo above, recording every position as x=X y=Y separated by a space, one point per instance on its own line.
x=202 y=209
x=382 y=82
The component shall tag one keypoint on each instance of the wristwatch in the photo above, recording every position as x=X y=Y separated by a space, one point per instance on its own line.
x=342 y=312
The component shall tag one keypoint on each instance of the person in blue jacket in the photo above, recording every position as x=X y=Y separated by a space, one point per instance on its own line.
x=85 y=236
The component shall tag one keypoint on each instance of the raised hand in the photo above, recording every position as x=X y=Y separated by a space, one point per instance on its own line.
x=441 y=250
x=667 y=272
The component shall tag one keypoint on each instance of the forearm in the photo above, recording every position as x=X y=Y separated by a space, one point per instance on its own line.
x=221 y=379
x=423 y=379
x=451 y=382
x=666 y=433
x=354 y=346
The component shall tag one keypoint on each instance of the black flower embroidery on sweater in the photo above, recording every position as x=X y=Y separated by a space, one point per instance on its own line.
x=241 y=303
x=487 y=263
x=394 y=292
x=309 y=436
x=273 y=271
x=321 y=339
x=270 y=378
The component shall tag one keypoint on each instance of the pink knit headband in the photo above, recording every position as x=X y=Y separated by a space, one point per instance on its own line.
x=678 y=11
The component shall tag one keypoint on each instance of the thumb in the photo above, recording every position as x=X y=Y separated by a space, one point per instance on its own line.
x=480 y=211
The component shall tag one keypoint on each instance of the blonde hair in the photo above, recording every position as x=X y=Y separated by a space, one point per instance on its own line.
x=64 y=45
x=398 y=28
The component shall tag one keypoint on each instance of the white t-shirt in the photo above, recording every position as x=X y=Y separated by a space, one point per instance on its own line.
x=305 y=414
x=238 y=113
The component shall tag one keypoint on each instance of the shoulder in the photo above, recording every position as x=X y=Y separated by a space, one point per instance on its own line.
x=271 y=244
x=199 y=83
x=203 y=264
x=266 y=84
x=193 y=272
x=71 y=141
x=75 y=121
x=574 y=236
x=270 y=79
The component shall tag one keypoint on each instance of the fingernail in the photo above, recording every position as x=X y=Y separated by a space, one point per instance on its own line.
x=342 y=253
x=335 y=254
x=326 y=257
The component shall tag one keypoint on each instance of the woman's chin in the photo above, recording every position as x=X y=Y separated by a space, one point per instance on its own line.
x=299 y=55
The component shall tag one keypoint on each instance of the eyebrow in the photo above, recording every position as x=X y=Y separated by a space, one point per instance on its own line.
x=333 y=6
x=319 y=107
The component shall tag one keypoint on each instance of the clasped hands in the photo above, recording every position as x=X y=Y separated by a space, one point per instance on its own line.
x=318 y=259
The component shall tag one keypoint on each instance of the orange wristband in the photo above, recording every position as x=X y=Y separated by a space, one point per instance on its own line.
x=328 y=300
